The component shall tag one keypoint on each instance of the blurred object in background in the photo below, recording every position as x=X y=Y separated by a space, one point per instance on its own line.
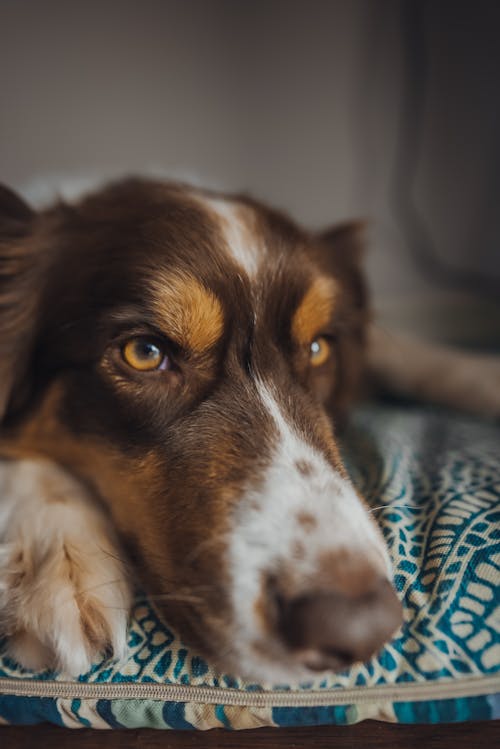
x=331 y=109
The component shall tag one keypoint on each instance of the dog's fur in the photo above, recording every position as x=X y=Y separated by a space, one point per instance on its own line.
x=220 y=472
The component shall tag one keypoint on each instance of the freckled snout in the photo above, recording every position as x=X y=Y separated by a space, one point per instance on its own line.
x=331 y=630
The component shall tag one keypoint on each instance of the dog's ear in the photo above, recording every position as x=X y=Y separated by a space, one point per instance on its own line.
x=15 y=214
x=18 y=291
x=346 y=240
x=342 y=250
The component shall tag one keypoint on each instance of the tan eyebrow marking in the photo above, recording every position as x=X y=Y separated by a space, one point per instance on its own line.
x=191 y=314
x=315 y=310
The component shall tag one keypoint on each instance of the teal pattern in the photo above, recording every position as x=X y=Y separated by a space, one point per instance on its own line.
x=433 y=480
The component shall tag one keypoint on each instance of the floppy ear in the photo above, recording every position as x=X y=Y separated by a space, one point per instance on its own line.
x=18 y=290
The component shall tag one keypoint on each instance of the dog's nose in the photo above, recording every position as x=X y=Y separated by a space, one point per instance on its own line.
x=332 y=630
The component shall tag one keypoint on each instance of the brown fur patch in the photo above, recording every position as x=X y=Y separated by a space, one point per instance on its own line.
x=265 y=606
x=307 y=521
x=315 y=310
x=190 y=313
x=303 y=467
x=93 y=624
x=260 y=608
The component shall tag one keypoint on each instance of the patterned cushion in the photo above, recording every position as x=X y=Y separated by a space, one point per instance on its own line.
x=433 y=479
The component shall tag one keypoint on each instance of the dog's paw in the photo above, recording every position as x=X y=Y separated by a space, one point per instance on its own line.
x=490 y=383
x=438 y=374
x=474 y=385
x=64 y=591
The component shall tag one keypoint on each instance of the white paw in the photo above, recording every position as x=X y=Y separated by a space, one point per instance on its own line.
x=64 y=592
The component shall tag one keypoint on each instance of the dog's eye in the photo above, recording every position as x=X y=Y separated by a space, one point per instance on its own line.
x=145 y=354
x=320 y=351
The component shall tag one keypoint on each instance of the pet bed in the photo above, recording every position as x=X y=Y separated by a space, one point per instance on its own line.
x=433 y=479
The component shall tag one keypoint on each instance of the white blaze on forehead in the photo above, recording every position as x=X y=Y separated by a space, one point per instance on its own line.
x=266 y=525
x=236 y=225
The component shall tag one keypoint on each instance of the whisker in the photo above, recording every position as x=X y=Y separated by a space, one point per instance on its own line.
x=396 y=507
x=113 y=556
x=171 y=597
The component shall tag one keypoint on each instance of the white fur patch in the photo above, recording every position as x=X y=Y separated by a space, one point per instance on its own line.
x=240 y=238
x=266 y=527
x=64 y=593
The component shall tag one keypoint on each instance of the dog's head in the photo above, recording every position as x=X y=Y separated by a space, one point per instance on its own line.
x=189 y=356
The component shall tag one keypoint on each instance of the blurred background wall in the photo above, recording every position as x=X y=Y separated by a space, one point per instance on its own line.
x=330 y=109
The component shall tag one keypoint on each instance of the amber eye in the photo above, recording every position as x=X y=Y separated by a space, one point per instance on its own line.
x=320 y=351
x=145 y=354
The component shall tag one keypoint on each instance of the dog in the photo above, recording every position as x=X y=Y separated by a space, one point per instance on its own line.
x=176 y=366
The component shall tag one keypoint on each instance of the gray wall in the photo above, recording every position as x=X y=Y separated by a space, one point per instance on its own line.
x=310 y=104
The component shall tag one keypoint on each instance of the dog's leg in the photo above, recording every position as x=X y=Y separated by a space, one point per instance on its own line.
x=64 y=592
x=433 y=373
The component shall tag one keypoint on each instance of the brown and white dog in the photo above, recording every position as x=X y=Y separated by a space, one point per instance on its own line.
x=174 y=364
